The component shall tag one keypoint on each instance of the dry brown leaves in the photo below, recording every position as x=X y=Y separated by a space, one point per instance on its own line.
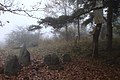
x=78 y=69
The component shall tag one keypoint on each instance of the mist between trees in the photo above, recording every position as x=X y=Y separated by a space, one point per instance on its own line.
x=22 y=35
x=81 y=29
x=79 y=14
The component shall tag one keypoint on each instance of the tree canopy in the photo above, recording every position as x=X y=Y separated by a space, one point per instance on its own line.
x=88 y=7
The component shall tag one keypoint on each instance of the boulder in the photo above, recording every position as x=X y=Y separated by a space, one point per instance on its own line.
x=12 y=65
x=66 y=58
x=47 y=59
x=56 y=67
x=53 y=62
x=51 y=59
x=55 y=59
x=24 y=56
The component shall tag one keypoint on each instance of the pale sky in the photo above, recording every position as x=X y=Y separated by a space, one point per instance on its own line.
x=17 y=20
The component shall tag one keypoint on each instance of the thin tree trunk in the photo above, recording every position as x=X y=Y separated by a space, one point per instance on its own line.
x=66 y=29
x=78 y=29
x=96 y=40
x=78 y=22
x=109 y=26
x=66 y=26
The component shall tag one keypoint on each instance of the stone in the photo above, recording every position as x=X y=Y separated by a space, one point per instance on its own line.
x=66 y=58
x=55 y=59
x=47 y=59
x=24 y=56
x=12 y=65
x=51 y=59
x=56 y=67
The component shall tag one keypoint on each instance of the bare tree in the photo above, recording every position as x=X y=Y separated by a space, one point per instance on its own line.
x=20 y=36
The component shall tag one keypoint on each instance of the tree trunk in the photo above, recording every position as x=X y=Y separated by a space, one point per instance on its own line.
x=109 y=26
x=96 y=39
x=66 y=26
x=78 y=29
x=66 y=29
x=78 y=21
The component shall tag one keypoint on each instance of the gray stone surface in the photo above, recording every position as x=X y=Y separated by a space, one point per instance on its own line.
x=66 y=57
x=47 y=59
x=24 y=56
x=12 y=65
x=51 y=59
x=56 y=67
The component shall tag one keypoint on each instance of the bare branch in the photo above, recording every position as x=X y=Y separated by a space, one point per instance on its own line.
x=21 y=10
x=17 y=11
x=34 y=27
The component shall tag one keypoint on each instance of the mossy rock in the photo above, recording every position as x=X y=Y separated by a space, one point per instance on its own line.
x=24 y=56
x=55 y=59
x=51 y=59
x=55 y=67
x=12 y=65
x=47 y=59
x=66 y=58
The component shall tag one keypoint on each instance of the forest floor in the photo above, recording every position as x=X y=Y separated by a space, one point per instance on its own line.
x=81 y=67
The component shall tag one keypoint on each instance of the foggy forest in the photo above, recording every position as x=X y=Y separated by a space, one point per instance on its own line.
x=82 y=42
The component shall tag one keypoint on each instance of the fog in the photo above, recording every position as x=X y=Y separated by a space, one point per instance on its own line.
x=18 y=20
x=15 y=21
